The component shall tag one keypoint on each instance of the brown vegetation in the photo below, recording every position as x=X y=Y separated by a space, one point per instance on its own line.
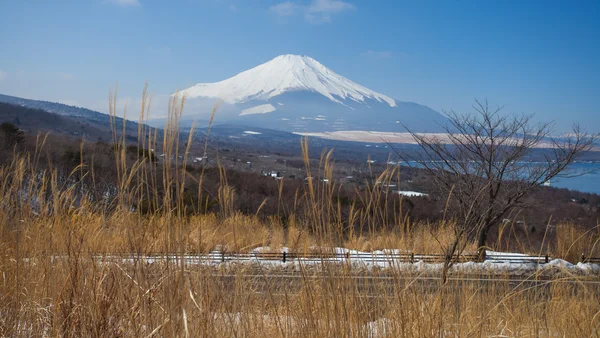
x=61 y=214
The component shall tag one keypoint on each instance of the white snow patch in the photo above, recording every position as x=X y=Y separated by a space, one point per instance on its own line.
x=390 y=137
x=286 y=73
x=262 y=109
x=589 y=267
x=495 y=262
x=250 y=132
x=374 y=136
x=560 y=263
x=411 y=193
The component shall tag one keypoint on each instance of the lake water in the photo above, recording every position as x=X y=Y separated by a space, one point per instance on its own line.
x=589 y=181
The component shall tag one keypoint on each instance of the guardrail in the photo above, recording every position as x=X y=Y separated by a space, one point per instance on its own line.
x=223 y=256
x=519 y=258
x=595 y=260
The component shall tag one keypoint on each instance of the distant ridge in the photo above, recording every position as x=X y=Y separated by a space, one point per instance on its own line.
x=93 y=119
x=53 y=107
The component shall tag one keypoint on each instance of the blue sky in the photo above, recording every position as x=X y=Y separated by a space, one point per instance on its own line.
x=539 y=57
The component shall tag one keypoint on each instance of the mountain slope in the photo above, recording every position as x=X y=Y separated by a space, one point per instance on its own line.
x=57 y=117
x=286 y=73
x=297 y=93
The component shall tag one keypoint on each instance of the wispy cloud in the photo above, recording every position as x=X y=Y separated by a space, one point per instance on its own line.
x=317 y=11
x=124 y=3
x=3 y=75
x=65 y=76
x=320 y=11
x=378 y=55
x=287 y=8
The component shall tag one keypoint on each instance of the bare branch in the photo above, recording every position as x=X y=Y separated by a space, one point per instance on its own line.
x=484 y=163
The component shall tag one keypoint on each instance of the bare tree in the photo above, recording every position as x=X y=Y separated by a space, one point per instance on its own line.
x=483 y=166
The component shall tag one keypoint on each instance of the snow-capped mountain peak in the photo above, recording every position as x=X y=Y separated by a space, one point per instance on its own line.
x=286 y=73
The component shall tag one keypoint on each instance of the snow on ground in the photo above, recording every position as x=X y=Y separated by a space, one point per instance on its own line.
x=411 y=193
x=388 y=137
x=262 y=109
x=250 y=132
x=371 y=136
x=496 y=262
x=282 y=74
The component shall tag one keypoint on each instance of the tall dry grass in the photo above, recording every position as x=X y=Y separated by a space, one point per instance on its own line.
x=575 y=243
x=56 y=278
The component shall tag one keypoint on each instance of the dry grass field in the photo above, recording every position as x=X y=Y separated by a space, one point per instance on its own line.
x=53 y=283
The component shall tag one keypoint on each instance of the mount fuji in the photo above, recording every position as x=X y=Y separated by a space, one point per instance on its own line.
x=298 y=94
